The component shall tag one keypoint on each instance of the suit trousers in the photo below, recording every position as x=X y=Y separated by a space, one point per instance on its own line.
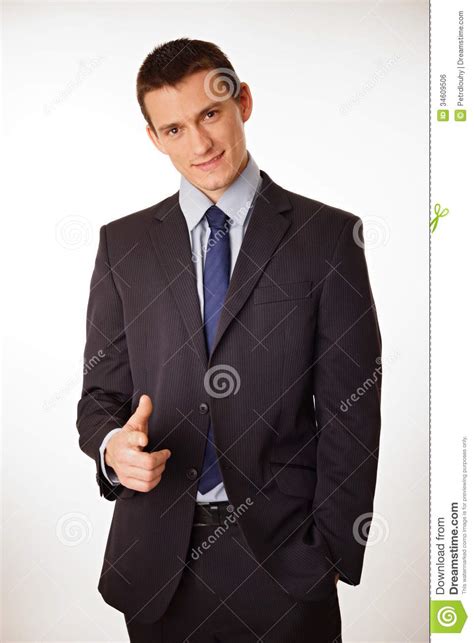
x=225 y=596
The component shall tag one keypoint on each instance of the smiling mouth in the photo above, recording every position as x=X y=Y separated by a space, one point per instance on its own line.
x=208 y=164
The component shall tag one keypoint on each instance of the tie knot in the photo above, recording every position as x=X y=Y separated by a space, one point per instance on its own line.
x=216 y=218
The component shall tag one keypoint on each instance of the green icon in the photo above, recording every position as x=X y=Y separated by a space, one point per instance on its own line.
x=438 y=214
x=447 y=617
x=460 y=115
x=443 y=114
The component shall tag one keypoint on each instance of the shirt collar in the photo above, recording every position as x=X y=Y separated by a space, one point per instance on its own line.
x=235 y=201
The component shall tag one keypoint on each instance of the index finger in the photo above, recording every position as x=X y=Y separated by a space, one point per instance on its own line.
x=148 y=461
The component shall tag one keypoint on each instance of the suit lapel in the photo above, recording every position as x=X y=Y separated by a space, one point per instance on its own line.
x=264 y=232
x=170 y=238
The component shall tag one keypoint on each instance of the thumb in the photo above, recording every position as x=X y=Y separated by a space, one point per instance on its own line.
x=139 y=420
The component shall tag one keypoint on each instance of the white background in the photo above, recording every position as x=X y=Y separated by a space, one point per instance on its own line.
x=340 y=115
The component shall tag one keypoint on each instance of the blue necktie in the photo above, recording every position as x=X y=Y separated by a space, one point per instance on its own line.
x=216 y=282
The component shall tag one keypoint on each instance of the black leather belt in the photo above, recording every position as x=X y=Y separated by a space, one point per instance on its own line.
x=212 y=513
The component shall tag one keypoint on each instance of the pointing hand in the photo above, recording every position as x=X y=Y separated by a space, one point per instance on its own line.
x=136 y=469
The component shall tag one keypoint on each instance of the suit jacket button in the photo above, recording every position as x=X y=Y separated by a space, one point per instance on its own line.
x=203 y=407
x=192 y=474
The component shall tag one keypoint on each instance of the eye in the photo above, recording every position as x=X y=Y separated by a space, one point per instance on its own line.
x=212 y=111
x=170 y=130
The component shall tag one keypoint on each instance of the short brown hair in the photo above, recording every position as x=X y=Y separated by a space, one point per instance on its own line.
x=171 y=62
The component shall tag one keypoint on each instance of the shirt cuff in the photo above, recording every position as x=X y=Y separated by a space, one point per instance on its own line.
x=108 y=472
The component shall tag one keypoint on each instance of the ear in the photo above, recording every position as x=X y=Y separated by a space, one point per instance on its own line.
x=245 y=101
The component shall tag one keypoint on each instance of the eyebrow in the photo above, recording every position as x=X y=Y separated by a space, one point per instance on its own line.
x=201 y=113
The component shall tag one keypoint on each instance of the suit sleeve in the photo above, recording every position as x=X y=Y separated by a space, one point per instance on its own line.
x=107 y=390
x=347 y=377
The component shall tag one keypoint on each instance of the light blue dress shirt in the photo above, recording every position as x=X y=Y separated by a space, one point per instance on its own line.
x=237 y=202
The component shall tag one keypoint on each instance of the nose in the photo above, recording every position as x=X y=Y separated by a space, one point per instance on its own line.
x=200 y=144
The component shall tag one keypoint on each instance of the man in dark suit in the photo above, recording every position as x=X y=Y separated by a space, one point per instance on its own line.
x=233 y=406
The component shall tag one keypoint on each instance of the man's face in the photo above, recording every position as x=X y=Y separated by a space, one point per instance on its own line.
x=194 y=125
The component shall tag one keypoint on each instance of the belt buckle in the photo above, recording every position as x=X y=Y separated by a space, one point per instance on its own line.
x=214 y=512
x=211 y=511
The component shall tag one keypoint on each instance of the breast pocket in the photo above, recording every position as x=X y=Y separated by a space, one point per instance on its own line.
x=283 y=292
x=295 y=479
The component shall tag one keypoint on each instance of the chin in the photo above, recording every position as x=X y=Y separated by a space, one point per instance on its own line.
x=214 y=182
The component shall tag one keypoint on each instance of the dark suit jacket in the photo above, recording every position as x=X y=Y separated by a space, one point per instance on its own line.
x=299 y=321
